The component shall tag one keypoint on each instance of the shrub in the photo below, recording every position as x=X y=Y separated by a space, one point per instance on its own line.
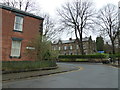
x=42 y=51
x=26 y=65
x=114 y=55
x=100 y=56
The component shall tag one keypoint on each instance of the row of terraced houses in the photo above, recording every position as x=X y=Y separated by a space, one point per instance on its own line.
x=70 y=47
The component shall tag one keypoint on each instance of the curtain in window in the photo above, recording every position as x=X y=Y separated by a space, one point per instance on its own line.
x=16 y=46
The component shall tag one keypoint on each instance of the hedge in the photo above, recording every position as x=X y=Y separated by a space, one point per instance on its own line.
x=114 y=55
x=83 y=56
x=73 y=60
x=26 y=65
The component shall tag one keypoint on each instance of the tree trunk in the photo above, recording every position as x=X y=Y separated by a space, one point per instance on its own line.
x=81 y=46
x=113 y=47
x=119 y=42
x=80 y=43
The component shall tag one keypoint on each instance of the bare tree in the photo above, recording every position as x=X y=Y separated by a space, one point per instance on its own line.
x=49 y=28
x=12 y=3
x=40 y=49
x=77 y=16
x=25 y=5
x=108 y=23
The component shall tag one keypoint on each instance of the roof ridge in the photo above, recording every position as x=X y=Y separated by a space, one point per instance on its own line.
x=19 y=11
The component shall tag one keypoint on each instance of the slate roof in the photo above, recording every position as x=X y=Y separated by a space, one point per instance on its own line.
x=69 y=41
x=19 y=11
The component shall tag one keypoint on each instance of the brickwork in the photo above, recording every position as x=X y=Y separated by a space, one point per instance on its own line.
x=89 y=47
x=0 y=35
x=31 y=27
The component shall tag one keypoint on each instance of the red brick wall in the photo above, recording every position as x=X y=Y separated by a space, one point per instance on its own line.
x=30 y=30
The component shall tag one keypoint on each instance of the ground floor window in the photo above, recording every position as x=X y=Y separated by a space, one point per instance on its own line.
x=16 y=47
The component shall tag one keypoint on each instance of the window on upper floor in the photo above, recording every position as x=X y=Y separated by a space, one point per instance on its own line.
x=18 y=25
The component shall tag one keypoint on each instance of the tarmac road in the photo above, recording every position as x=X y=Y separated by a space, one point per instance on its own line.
x=88 y=76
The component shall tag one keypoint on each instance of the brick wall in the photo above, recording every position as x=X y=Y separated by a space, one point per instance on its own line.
x=30 y=30
x=88 y=46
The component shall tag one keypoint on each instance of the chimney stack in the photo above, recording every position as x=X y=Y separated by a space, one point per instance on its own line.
x=70 y=38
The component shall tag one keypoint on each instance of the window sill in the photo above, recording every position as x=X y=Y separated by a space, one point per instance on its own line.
x=17 y=31
x=18 y=57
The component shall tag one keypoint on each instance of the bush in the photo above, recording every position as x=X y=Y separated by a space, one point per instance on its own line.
x=26 y=65
x=96 y=57
x=43 y=49
x=99 y=56
x=114 y=55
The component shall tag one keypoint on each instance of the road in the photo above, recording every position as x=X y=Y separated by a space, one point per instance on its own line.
x=88 y=76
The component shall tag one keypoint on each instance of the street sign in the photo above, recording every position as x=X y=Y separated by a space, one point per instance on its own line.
x=100 y=51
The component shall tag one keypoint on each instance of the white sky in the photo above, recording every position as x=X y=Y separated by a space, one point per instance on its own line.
x=50 y=7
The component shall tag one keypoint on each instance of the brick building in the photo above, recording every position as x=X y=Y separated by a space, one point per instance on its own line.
x=70 y=47
x=18 y=27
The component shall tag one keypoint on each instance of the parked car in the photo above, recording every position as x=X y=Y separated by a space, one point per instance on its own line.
x=106 y=61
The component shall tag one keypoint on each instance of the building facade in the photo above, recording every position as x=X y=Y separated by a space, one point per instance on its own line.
x=18 y=28
x=70 y=47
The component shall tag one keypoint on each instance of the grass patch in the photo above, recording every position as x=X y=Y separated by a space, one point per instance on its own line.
x=81 y=60
x=26 y=65
x=72 y=60
x=66 y=60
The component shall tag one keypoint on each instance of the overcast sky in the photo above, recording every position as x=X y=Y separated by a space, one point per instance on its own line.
x=50 y=7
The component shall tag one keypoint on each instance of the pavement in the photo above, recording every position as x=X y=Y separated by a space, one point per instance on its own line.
x=61 y=68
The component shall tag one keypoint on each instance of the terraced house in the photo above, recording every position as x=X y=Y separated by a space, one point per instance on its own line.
x=70 y=47
x=18 y=27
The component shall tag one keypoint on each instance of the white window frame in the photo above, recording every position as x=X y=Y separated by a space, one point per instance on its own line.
x=77 y=47
x=18 y=23
x=71 y=47
x=14 y=48
x=59 y=48
x=65 y=47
